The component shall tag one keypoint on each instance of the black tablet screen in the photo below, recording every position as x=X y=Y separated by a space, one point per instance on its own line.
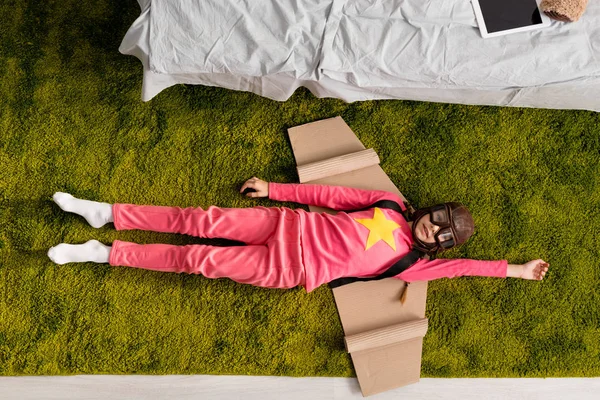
x=501 y=15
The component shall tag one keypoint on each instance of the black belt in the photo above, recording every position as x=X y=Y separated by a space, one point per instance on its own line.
x=397 y=268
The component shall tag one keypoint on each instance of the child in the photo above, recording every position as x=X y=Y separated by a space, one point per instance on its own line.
x=286 y=248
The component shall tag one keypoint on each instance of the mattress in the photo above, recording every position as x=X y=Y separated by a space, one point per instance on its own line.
x=365 y=49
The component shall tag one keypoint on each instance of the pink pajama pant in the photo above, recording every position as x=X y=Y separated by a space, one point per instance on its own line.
x=271 y=258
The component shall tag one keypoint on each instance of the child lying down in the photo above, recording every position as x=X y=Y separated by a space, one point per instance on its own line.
x=285 y=248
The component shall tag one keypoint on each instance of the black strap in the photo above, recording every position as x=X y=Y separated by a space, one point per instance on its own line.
x=397 y=268
x=391 y=204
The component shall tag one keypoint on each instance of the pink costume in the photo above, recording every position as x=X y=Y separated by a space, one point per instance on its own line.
x=287 y=248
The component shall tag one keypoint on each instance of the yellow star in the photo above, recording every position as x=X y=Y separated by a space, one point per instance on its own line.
x=380 y=228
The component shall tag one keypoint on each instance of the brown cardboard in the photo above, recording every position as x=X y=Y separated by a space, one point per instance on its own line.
x=337 y=165
x=385 y=336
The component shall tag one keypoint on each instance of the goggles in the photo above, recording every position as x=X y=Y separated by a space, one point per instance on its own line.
x=455 y=224
x=441 y=216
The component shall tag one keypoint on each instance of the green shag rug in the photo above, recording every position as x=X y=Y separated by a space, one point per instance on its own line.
x=72 y=120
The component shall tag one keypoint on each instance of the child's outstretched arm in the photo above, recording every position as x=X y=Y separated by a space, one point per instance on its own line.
x=534 y=270
x=428 y=270
x=334 y=197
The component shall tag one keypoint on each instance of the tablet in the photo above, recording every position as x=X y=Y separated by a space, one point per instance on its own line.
x=501 y=17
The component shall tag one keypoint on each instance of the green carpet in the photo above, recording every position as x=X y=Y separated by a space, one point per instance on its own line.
x=72 y=120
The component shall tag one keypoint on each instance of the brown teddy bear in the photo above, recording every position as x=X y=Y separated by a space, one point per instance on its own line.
x=564 y=10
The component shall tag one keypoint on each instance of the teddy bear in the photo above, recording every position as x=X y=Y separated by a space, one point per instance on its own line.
x=564 y=10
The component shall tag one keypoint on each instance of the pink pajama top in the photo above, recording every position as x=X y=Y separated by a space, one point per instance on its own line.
x=335 y=246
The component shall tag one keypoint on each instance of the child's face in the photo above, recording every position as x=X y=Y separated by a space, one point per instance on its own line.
x=426 y=230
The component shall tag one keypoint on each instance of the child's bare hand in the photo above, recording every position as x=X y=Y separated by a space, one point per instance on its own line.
x=535 y=270
x=258 y=187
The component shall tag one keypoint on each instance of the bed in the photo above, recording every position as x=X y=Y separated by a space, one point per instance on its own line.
x=365 y=49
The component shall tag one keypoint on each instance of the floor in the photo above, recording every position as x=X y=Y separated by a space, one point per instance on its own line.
x=148 y=387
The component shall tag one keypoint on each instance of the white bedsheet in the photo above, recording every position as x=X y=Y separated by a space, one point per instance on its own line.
x=395 y=49
x=240 y=37
x=436 y=43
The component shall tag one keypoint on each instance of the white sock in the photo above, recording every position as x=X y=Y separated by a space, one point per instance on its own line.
x=97 y=214
x=92 y=251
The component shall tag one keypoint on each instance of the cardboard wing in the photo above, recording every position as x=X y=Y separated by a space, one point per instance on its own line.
x=383 y=336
